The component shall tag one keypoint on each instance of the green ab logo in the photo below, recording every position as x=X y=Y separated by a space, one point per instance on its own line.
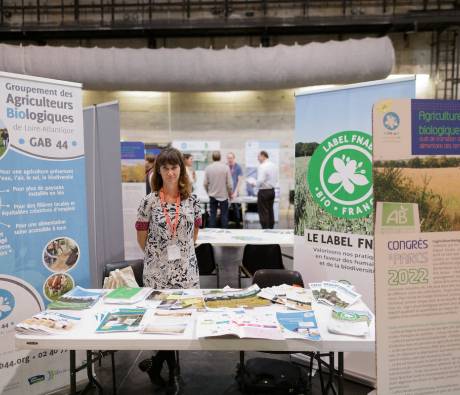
x=340 y=175
x=397 y=214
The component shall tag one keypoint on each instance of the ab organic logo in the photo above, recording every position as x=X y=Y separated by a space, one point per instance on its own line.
x=397 y=214
x=340 y=175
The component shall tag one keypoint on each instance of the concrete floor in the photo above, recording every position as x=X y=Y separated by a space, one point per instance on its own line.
x=203 y=373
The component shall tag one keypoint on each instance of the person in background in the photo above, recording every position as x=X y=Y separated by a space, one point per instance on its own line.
x=267 y=180
x=218 y=185
x=149 y=166
x=237 y=176
x=188 y=160
x=167 y=227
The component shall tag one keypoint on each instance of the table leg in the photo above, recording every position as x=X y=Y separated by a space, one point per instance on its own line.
x=330 y=384
x=340 y=372
x=320 y=371
x=73 y=373
x=89 y=372
x=114 y=378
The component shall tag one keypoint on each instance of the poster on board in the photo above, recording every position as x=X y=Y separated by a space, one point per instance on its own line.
x=202 y=157
x=133 y=189
x=417 y=246
x=43 y=226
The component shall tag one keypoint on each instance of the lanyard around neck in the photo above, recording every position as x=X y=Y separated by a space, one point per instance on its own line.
x=172 y=227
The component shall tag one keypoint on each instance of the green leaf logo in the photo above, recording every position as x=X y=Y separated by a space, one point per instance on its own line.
x=340 y=175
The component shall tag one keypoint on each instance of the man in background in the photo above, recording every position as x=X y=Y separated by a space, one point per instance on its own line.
x=267 y=180
x=237 y=176
x=218 y=185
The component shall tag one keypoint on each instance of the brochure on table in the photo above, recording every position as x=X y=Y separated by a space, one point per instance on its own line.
x=333 y=237
x=43 y=230
x=417 y=246
x=174 y=312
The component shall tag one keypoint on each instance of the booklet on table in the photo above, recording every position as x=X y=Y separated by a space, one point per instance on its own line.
x=77 y=298
x=349 y=322
x=240 y=323
x=299 y=299
x=299 y=324
x=166 y=322
x=125 y=295
x=334 y=293
x=121 y=320
x=47 y=323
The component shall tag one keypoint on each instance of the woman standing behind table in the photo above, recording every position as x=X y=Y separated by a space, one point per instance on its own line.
x=167 y=227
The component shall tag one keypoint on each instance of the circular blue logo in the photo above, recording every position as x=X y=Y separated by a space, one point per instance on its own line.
x=7 y=303
x=391 y=121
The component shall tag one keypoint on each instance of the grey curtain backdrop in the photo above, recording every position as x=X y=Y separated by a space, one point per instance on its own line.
x=103 y=180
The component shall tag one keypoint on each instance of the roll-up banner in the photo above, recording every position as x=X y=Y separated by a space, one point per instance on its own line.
x=417 y=246
x=43 y=223
x=333 y=190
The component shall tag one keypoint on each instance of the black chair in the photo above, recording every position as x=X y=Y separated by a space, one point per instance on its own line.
x=206 y=263
x=137 y=265
x=271 y=277
x=256 y=257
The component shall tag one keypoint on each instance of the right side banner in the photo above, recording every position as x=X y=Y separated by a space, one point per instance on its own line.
x=417 y=246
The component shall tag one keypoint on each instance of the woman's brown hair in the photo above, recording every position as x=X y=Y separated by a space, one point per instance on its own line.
x=172 y=156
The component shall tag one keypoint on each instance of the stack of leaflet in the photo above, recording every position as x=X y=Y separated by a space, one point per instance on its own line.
x=46 y=323
x=125 y=295
x=76 y=299
x=276 y=293
x=181 y=299
x=121 y=320
x=168 y=322
x=294 y=297
x=349 y=322
x=235 y=298
x=334 y=293
x=299 y=298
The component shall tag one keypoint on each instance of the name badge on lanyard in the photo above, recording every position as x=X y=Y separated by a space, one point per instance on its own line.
x=173 y=249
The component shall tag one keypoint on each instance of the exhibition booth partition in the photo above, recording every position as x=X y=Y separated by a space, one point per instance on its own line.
x=374 y=140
